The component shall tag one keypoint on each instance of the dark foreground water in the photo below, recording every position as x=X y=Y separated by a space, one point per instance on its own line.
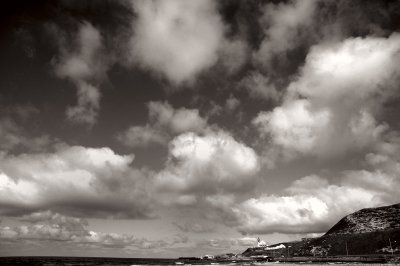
x=81 y=261
x=95 y=261
x=100 y=261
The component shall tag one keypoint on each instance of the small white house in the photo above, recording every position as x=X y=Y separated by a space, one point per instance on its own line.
x=261 y=243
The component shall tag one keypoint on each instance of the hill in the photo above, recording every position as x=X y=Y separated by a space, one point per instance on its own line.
x=372 y=231
x=368 y=220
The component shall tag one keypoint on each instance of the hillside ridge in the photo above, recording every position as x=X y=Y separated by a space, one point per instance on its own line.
x=369 y=231
x=368 y=220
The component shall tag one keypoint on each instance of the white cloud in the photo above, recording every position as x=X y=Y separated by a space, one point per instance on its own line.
x=232 y=103
x=293 y=126
x=176 y=38
x=86 y=110
x=195 y=227
x=311 y=205
x=88 y=182
x=47 y=226
x=330 y=109
x=259 y=86
x=285 y=24
x=176 y=120
x=164 y=123
x=228 y=244
x=209 y=164
x=84 y=66
x=234 y=54
x=351 y=70
x=14 y=136
x=54 y=227
x=138 y=136
x=78 y=64
x=10 y=134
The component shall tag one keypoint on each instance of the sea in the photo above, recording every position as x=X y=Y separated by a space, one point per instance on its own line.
x=100 y=261
x=95 y=261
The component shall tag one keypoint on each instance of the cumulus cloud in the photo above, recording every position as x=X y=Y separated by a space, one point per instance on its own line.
x=206 y=164
x=140 y=136
x=352 y=66
x=259 y=86
x=74 y=180
x=49 y=226
x=176 y=120
x=194 y=227
x=176 y=38
x=10 y=134
x=234 y=54
x=311 y=205
x=230 y=244
x=14 y=136
x=331 y=108
x=232 y=103
x=164 y=122
x=293 y=125
x=85 y=66
x=285 y=28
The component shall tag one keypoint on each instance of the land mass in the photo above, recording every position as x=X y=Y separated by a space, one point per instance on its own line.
x=371 y=231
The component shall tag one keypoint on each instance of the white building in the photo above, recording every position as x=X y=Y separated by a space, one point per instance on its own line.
x=261 y=243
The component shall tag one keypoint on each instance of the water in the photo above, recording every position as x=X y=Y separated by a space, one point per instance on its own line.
x=100 y=261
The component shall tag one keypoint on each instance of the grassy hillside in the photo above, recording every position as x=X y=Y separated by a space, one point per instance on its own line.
x=370 y=231
x=369 y=220
x=357 y=244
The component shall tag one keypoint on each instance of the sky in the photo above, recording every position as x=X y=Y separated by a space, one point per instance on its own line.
x=190 y=127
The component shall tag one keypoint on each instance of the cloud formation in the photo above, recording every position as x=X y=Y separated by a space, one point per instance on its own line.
x=259 y=86
x=141 y=136
x=336 y=97
x=14 y=136
x=318 y=78
x=85 y=66
x=232 y=103
x=194 y=227
x=164 y=123
x=229 y=244
x=49 y=226
x=176 y=38
x=176 y=120
x=74 y=180
x=286 y=25
x=206 y=164
x=312 y=206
